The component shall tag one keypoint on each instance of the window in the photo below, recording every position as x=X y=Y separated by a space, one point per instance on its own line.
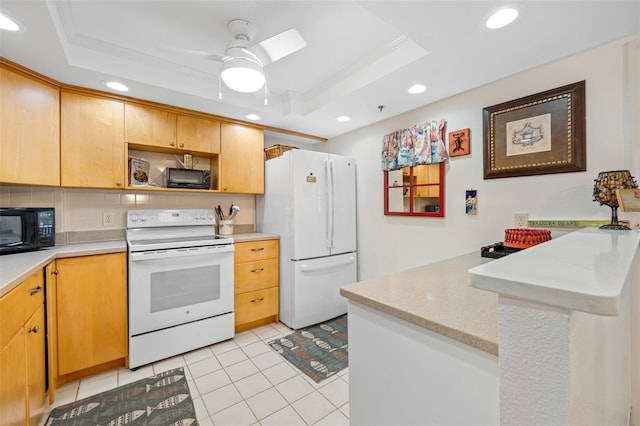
x=415 y=191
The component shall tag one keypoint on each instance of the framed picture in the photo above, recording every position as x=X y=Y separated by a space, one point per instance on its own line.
x=628 y=199
x=538 y=134
x=459 y=143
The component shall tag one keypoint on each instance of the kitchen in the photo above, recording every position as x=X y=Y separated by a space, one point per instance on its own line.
x=390 y=244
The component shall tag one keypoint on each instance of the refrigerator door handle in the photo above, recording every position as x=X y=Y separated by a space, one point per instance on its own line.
x=323 y=267
x=332 y=201
x=328 y=217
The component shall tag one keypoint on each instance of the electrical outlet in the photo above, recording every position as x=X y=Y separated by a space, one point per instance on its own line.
x=521 y=219
x=108 y=219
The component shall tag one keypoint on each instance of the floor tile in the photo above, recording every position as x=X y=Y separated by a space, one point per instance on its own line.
x=286 y=416
x=204 y=366
x=241 y=370
x=345 y=409
x=212 y=381
x=237 y=415
x=267 y=359
x=313 y=407
x=201 y=410
x=222 y=347
x=294 y=388
x=126 y=376
x=267 y=332
x=231 y=357
x=197 y=355
x=221 y=399
x=252 y=385
x=256 y=348
x=168 y=364
x=335 y=418
x=245 y=338
x=88 y=388
x=337 y=392
x=279 y=373
x=266 y=403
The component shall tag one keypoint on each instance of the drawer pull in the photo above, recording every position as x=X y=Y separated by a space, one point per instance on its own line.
x=257 y=249
x=54 y=272
x=34 y=329
x=257 y=270
x=257 y=300
x=35 y=291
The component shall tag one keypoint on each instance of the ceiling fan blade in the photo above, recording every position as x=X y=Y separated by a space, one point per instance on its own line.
x=279 y=46
x=190 y=52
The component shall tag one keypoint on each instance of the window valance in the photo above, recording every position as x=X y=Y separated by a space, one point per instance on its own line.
x=420 y=144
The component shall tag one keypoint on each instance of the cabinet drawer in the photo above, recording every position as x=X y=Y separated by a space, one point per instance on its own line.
x=256 y=250
x=250 y=276
x=256 y=305
x=19 y=304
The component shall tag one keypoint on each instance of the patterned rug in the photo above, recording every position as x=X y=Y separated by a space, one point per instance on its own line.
x=319 y=351
x=162 y=399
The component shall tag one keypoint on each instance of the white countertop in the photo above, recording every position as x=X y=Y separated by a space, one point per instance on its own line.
x=436 y=297
x=585 y=271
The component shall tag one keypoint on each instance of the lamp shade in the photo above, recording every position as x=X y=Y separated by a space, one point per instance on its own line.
x=242 y=74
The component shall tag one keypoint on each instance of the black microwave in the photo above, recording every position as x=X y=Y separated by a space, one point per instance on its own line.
x=26 y=229
x=188 y=178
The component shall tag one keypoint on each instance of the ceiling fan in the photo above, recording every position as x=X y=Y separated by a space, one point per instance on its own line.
x=243 y=62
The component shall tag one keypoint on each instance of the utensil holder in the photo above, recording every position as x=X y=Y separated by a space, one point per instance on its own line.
x=225 y=227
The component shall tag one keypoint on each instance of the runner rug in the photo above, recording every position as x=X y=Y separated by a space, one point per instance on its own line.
x=162 y=399
x=319 y=351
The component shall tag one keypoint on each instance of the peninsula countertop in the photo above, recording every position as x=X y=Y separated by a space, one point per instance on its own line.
x=437 y=297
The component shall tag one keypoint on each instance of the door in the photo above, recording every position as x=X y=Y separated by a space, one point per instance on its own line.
x=309 y=205
x=343 y=195
x=316 y=289
x=177 y=286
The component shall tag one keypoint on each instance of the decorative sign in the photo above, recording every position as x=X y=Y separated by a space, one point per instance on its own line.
x=471 y=204
x=459 y=143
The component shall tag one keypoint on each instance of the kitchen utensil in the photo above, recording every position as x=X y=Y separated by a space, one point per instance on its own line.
x=234 y=211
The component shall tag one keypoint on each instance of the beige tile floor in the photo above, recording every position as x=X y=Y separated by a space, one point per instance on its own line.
x=238 y=382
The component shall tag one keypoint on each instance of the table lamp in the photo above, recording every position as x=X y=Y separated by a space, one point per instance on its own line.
x=604 y=192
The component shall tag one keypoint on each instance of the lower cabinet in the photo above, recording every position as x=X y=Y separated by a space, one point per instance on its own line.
x=256 y=283
x=91 y=312
x=22 y=357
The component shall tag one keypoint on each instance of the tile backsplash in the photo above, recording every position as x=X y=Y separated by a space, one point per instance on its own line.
x=82 y=209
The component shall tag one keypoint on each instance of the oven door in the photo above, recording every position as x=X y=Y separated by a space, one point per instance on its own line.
x=176 y=286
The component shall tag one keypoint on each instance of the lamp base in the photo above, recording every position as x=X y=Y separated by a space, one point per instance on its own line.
x=615 y=226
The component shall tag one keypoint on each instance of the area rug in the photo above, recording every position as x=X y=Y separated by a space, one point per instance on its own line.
x=162 y=399
x=319 y=351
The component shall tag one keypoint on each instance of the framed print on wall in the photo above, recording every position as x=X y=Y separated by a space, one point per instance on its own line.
x=459 y=143
x=538 y=134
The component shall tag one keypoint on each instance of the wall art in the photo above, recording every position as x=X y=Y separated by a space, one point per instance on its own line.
x=537 y=134
x=459 y=143
x=471 y=201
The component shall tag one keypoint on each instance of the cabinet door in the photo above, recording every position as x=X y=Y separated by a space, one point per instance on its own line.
x=198 y=134
x=241 y=159
x=51 y=274
x=149 y=126
x=30 y=130
x=91 y=311
x=36 y=379
x=92 y=142
x=13 y=383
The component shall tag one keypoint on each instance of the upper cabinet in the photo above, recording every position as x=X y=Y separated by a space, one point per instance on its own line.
x=241 y=159
x=92 y=141
x=30 y=130
x=168 y=131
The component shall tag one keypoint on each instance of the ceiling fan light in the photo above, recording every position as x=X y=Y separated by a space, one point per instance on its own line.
x=242 y=75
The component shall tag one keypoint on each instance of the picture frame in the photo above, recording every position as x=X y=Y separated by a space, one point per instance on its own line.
x=538 y=134
x=628 y=199
x=459 y=143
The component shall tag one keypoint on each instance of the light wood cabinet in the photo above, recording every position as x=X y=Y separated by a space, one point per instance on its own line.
x=256 y=283
x=92 y=141
x=30 y=130
x=427 y=174
x=154 y=127
x=241 y=159
x=22 y=353
x=91 y=311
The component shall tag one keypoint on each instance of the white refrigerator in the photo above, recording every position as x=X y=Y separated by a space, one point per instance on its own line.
x=310 y=202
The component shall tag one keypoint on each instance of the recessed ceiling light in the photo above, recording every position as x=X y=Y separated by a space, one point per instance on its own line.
x=417 y=88
x=343 y=118
x=115 y=85
x=8 y=24
x=252 y=117
x=502 y=18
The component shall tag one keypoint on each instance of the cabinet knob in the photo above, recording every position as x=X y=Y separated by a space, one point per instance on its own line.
x=34 y=329
x=118 y=183
x=172 y=143
x=54 y=272
x=181 y=145
x=36 y=290
x=257 y=270
x=257 y=300
x=225 y=188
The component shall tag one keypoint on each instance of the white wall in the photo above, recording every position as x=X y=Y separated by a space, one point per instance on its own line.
x=387 y=244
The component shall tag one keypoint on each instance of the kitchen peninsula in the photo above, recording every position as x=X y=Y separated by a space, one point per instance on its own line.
x=423 y=343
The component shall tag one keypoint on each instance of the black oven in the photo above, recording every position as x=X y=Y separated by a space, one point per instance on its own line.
x=26 y=229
